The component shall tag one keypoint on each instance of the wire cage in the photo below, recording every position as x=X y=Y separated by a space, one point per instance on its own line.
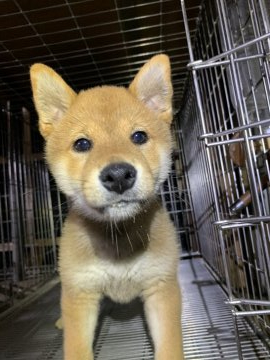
x=229 y=64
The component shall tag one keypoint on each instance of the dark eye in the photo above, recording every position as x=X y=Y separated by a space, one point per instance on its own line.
x=139 y=137
x=82 y=145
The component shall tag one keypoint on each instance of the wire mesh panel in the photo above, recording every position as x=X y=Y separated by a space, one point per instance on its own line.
x=29 y=211
x=229 y=168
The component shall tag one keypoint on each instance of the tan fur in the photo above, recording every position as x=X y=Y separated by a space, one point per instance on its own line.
x=119 y=245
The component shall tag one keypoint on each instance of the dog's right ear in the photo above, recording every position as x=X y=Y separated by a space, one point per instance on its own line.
x=52 y=96
x=153 y=87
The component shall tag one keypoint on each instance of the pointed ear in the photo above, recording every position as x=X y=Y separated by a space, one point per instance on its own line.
x=52 y=96
x=152 y=85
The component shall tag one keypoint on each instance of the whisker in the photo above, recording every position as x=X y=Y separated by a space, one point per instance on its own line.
x=117 y=248
x=111 y=227
x=130 y=243
x=115 y=224
x=116 y=238
x=142 y=241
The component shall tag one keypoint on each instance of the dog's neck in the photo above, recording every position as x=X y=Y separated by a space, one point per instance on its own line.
x=123 y=239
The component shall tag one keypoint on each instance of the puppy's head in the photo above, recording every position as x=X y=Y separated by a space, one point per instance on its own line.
x=107 y=147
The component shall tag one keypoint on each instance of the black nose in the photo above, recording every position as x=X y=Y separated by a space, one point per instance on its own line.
x=118 y=177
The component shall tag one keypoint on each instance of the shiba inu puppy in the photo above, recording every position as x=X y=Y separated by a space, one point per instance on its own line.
x=109 y=150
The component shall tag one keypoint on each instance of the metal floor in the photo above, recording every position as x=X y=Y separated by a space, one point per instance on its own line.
x=122 y=335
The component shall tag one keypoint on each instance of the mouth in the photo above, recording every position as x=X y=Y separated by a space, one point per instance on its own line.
x=114 y=210
x=119 y=210
x=119 y=205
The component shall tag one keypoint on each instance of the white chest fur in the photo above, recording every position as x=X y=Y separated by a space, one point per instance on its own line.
x=85 y=264
x=120 y=280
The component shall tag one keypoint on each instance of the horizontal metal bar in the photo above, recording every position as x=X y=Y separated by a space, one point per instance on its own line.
x=230 y=141
x=244 y=222
x=199 y=64
x=231 y=51
x=235 y=129
x=248 y=302
x=251 y=313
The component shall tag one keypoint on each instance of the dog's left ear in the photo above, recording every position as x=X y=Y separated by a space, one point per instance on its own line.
x=152 y=85
x=52 y=97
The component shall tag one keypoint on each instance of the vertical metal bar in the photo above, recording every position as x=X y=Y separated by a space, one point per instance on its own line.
x=265 y=17
x=51 y=221
x=44 y=224
x=29 y=189
x=4 y=235
x=38 y=216
x=13 y=202
x=20 y=190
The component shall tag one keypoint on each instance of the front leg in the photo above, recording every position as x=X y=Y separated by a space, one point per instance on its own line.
x=79 y=315
x=162 y=304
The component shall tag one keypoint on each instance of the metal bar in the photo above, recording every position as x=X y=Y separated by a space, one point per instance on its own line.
x=199 y=64
x=237 y=129
x=251 y=312
x=252 y=220
x=249 y=302
x=233 y=141
x=232 y=50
